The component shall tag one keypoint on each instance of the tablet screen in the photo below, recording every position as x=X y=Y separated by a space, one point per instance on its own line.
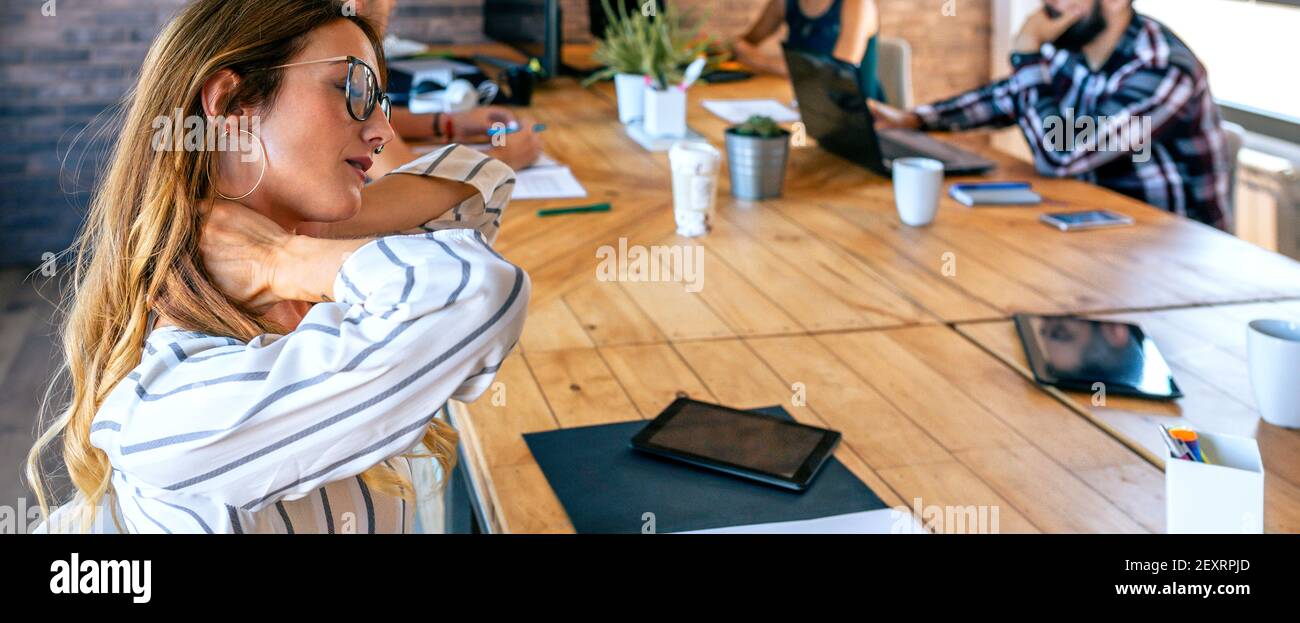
x=757 y=442
x=1081 y=352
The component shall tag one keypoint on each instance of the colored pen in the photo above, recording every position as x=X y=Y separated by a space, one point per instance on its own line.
x=513 y=127
x=598 y=207
x=1189 y=437
x=1176 y=447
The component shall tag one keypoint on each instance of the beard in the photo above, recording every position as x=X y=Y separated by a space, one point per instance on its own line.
x=1082 y=32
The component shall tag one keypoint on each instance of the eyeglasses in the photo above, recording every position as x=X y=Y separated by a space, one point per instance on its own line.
x=361 y=91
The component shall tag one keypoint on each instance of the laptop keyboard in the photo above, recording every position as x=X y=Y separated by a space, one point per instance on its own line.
x=896 y=144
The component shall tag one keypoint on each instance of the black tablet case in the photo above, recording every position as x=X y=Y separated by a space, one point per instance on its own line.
x=607 y=487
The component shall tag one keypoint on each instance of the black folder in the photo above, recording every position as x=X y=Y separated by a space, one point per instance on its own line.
x=607 y=487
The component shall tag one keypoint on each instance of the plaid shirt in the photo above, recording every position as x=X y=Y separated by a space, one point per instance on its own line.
x=1144 y=125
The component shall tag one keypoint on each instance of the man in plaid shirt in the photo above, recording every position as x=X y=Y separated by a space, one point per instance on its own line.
x=1108 y=96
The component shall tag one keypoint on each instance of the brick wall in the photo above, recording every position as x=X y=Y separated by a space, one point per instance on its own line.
x=60 y=71
x=950 y=52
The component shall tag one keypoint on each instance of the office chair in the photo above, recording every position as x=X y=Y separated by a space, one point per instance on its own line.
x=894 y=71
x=65 y=522
x=1235 y=136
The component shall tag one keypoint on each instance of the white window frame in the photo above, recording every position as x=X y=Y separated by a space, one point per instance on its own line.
x=1008 y=15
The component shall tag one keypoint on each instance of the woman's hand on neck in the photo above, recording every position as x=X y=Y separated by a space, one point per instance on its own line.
x=286 y=314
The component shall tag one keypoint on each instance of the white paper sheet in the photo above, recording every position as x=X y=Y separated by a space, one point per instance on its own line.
x=883 y=521
x=545 y=160
x=547 y=182
x=737 y=111
x=545 y=179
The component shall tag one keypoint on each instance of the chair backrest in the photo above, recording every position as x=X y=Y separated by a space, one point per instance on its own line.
x=894 y=71
x=66 y=520
x=1235 y=137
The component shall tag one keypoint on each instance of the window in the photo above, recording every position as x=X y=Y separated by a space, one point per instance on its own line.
x=1250 y=49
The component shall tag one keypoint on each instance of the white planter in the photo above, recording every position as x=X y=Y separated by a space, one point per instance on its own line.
x=665 y=113
x=630 y=90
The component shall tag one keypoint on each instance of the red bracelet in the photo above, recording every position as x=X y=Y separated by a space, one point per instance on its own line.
x=451 y=133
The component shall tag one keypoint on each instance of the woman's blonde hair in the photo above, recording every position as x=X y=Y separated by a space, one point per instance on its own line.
x=138 y=249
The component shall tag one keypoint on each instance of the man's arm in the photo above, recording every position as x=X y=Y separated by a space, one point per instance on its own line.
x=992 y=105
x=1130 y=115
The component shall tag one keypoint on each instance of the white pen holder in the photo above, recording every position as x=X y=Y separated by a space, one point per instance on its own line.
x=665 y=112
x=1224 y=496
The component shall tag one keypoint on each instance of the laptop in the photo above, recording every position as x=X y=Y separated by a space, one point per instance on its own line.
x=836 y=114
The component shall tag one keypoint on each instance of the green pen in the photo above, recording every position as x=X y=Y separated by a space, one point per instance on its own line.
x=598 y=207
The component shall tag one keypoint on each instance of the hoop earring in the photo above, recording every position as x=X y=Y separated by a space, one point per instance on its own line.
x=259 y=175
x=379 y=150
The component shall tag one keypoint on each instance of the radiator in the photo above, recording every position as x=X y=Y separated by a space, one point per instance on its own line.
x=1267 y=202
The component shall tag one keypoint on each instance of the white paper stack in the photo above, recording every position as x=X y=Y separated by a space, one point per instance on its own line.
x=737 y=111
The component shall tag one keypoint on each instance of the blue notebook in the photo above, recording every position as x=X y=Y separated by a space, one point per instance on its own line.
x=994 y=193
x=607 y=487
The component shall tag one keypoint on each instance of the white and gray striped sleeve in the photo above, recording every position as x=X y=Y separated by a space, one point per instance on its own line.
x=420 y=319
x=494 y=180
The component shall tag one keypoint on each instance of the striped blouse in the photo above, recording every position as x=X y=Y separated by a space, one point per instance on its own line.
x=212 y=434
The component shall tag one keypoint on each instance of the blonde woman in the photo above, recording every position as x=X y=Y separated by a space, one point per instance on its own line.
x=249 y=348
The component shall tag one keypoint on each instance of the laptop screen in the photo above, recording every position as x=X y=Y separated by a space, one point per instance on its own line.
x=833 y=109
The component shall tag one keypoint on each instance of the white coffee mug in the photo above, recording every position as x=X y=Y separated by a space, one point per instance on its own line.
x=1273 y=349
x=917 y=184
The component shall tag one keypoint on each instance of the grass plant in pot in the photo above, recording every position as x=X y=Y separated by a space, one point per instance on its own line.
x=628 y=40
x=646 y=51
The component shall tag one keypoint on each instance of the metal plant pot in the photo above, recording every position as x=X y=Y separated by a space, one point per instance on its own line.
x=757 y=165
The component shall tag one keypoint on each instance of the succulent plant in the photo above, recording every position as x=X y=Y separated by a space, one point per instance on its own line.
x=760 y=126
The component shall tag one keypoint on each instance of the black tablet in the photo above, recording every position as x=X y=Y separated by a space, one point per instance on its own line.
x=1077 y=353
x=750 y=445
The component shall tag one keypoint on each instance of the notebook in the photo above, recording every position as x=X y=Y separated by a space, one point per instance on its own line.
x=996 y=193
x=607 y=487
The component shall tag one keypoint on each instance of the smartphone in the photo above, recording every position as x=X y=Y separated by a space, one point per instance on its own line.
x=1091 y=219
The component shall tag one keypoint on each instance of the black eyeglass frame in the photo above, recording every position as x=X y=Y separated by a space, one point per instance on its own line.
x=381 y=100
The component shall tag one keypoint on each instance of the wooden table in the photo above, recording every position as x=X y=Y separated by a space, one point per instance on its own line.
x=917 y=434
x=1206 y=348
x=824 y=287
